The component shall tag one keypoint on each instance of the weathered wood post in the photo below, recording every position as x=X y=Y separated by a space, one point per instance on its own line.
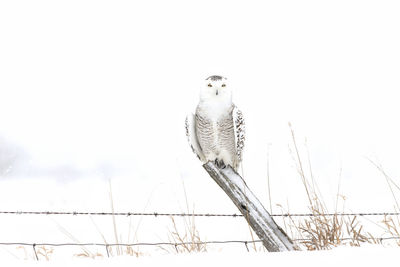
x=272 y=236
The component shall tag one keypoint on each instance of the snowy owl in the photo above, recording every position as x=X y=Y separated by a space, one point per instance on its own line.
x=216 y=131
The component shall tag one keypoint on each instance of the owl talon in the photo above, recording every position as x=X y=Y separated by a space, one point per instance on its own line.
x=220 y=164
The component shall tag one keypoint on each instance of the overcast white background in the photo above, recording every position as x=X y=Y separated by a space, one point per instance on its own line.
x=106 y=85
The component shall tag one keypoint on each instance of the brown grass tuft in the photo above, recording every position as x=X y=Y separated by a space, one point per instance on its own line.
x=187 y=240
x=321 y=231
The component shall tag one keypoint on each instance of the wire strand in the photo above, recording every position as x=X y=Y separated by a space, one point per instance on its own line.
x=156 y=214
x=171 y=243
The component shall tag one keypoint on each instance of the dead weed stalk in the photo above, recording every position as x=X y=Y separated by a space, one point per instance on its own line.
x=187 y=240
x=390 y=225
x=321 y=231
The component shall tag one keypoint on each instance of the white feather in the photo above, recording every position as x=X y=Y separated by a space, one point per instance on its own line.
x=192 y=137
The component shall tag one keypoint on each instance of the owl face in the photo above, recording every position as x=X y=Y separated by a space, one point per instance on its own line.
x=216 y=87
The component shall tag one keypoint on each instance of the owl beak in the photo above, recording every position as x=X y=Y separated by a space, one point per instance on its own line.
x=216 y=92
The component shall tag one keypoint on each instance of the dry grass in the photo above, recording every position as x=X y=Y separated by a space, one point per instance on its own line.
x=392 y=227
x=41 y=252
x=119 y=250
x=27 y=255
x=391 y=224
x=87 y=254
x=186 y=237
x=322 y=231
x=44 y=252
x=187 y=240
x=85 y=251
x=325 y=232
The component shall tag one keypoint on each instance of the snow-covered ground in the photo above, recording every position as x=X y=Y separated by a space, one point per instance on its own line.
x=97 y=91
x=371 y=256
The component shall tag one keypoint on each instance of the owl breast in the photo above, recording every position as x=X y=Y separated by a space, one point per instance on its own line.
x=216 y=135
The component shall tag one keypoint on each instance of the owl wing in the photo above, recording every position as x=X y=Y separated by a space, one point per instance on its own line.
x=239 y=128
x=192 y=136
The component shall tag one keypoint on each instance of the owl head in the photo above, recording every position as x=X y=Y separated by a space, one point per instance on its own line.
x=216 y=87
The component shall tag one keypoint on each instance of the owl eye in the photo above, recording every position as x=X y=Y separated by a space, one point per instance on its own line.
x=209 y=85
x=223 y=85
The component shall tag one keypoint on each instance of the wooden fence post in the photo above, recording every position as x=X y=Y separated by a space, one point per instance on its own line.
x=272 y=236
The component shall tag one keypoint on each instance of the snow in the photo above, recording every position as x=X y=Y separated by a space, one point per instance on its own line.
x=92 y=91
x=371 y=256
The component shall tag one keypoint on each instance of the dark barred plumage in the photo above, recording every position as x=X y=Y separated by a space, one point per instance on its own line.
x=219 y=136
x=215 y=78
x=240 y=134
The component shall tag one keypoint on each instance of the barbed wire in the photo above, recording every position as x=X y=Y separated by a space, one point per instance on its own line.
x=129 y=244
x=156 y=214
x=176 y=245
x=379 y=239
x=171 y=243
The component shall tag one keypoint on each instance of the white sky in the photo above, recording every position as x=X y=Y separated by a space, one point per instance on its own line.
x=82 y=82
